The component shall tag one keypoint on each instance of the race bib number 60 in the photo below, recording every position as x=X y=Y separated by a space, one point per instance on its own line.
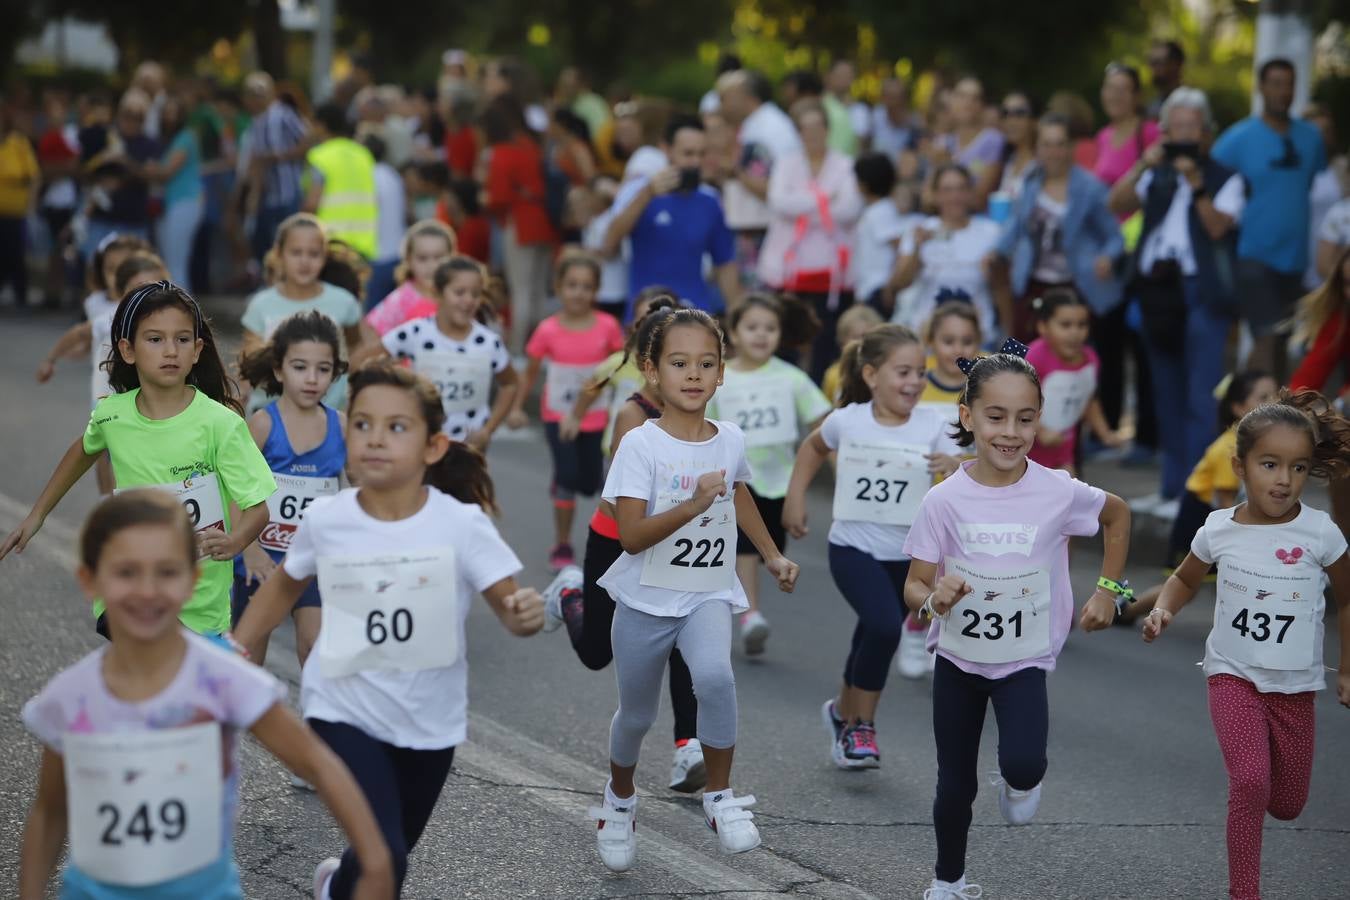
x=393 y=611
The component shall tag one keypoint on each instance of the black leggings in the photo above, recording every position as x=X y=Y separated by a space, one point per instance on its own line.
x=959 y=700
x=593 y=645
x=401 y=786
x=1113 y=339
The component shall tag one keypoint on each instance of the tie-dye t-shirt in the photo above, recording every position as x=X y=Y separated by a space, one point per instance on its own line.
x=213 y=683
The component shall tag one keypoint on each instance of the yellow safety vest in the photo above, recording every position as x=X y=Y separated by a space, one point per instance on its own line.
x=347 y=206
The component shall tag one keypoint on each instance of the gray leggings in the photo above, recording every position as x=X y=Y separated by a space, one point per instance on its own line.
x=642 y=645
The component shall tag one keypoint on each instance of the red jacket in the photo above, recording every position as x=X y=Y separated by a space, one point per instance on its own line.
x=515 y=190
x=1330 y=349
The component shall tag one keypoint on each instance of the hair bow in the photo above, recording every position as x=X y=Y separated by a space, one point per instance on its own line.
x=947 y=294
x=1011 y=347
x=133 y=300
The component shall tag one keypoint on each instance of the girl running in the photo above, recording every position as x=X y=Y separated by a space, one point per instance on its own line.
x=575 y=597
x=460 y=355
x=1213 y=483
x=427 y=245
x=952 y=333
x=678 y=487
x=889 y=451
x=990 y=550
x=173 y=422
x=1263 y=656
x=93 y=335
x=573 y=342
x=397 y=560
x=770 y=401
x=301 y=251
x=302 y=441
x=1067 y=368
x=140 y=738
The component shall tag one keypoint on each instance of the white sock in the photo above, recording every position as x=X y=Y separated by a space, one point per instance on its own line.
x=614 y=800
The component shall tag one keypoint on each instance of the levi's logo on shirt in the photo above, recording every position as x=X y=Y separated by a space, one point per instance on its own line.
x=998 y=539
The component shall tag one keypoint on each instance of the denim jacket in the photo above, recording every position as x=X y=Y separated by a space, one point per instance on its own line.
x=1089 y=229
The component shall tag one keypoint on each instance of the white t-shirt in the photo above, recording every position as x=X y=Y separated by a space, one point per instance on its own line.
x=421 y=338
x=1335 y=227
x=613 y=269
x=1271 y=590
x=420 y=710
x=99 y=310
x=856 y=422
x=769 y=134
x=1172 y=238
x=874 y=244
x=1323 y=196
x=391 y=205
x=952 y=260
x=652 y=465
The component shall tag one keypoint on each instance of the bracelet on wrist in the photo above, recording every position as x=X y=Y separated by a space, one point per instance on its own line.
x=1121 y=588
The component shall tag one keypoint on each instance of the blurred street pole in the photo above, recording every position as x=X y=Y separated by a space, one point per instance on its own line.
x=1283 y=28
x=321 y=66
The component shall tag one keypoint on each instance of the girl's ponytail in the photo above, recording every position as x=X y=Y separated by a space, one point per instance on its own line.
x=463 y=474
x=852 y=388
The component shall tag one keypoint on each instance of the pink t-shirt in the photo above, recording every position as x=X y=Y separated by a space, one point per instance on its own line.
x=403 y=304
x=995 y=530
x=566 y=353
x=1114 y=162
x=1068 y=390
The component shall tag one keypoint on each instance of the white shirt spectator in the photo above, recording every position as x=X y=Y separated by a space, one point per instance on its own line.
x=392 y=206
x=952 y=261
x=766 y=136
x=875 y=243
x=1172 y=238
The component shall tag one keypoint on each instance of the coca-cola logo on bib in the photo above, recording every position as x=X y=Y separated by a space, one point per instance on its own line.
x=277 y=536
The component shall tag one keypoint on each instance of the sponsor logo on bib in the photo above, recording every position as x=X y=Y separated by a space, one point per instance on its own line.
x=998 y=539
x=277 y=535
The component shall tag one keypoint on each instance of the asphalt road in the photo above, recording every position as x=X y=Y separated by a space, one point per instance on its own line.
x=1134 y=801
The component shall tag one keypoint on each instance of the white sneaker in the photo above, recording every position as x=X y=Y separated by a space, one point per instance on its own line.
x=1144 y=506
x=687 y=771
x=754 y=632
x=302 y=784
x=727 y=815
x=1167 y=510
x=616 y=838
x=1018 y=807
x=953 y=890
x=569 y=578
x=323 y=873
x=912 y=660
x=835 y=726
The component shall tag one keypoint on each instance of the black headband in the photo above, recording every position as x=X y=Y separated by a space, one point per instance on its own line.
x=133 y=300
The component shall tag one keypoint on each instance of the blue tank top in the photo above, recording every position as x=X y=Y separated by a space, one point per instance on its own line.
x=325 y=461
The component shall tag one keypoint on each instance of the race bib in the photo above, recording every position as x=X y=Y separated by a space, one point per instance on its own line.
x=563 y=385
x=286 y=507
x=200 y=496
x=764 y=411
x=464 y=380
x=1006 y=618
x=880 y=482
x=1267 y=618
x=701 y=556
x=1067 y=395
x=391 y=611
x=145 y=807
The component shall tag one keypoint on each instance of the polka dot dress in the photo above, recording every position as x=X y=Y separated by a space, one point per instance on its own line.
x=1267 y=745
x=422 y=336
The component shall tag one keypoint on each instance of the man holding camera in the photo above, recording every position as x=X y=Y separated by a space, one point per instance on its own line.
x=672 y=221
x=1183 y=274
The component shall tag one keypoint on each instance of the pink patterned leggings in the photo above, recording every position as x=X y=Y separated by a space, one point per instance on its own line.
x=1267 y=745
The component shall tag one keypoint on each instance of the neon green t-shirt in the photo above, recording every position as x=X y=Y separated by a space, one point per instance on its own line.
x=624 y=379
x=771 y=404
x=206 y=457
